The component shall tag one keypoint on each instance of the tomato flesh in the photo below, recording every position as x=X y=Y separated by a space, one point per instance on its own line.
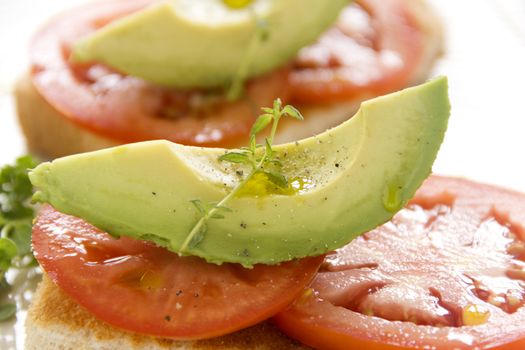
x=373 y=49
x=140 y=287
x=447 y=272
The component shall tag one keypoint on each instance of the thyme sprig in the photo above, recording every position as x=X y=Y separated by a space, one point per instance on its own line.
x=260 y=35
x=260 y=159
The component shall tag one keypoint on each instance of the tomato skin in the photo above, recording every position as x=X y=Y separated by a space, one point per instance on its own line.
x=318 y=322
x=139 y=287
x=317 y=334
x=302 y=323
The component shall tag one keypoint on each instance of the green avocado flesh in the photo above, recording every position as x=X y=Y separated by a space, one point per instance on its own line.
x=205 y=43
x=352 y=178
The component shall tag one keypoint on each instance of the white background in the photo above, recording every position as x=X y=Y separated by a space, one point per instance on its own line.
x=484 y=60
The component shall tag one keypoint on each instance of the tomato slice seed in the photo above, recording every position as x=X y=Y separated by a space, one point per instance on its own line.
x=475 y=314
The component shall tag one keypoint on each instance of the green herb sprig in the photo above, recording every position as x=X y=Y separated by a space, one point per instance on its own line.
x=260 y=35
x=260 y=159
x=16 y=215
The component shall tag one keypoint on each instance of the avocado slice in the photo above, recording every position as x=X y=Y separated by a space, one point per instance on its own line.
x=206 y=43
x=357 y=176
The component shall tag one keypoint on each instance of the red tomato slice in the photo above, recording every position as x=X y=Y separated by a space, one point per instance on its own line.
x=448 y=272
x=140 y=287
x=373 y=49
x=128 y=109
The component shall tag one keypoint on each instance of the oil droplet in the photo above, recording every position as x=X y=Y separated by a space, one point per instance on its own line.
x=392 y=198
x=307 y=295
x=368 y=312
x=151 y=280
x=146 y=280
x=237 y=4
x=260 y=185
x=474 y=315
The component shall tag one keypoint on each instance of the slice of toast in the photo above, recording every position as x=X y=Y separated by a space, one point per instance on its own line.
x=55 y=321
x=49 y=134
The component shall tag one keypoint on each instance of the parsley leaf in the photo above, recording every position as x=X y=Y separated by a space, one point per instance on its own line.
x=7 y=311
x=16 y=215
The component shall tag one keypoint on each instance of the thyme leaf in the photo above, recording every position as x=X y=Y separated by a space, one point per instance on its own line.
x=261 y=123
x=234 y=157
x=277 y=178
x=260 y=160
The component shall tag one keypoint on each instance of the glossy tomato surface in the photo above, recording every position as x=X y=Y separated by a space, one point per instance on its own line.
x=375 y=47
x=448 y=272
x=140 y=287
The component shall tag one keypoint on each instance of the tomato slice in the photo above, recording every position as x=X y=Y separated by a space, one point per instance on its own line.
x=374 y=48
x=128 y=109
x=137 y=286
x=448 y=272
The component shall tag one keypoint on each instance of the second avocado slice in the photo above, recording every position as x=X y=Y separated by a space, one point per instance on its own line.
x=353 y=178
x=189 y=44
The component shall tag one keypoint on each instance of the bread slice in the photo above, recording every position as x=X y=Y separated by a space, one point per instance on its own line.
x=54 y=321
x=50 y=135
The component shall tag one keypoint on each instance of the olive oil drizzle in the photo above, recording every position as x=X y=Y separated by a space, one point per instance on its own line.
x=237 y=4
x=260 y=158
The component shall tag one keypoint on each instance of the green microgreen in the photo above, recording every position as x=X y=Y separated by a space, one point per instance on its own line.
x=259 y=158
x=16 y=215
x=7 y=311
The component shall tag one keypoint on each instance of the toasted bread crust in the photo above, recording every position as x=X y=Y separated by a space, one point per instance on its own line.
x=55 y=321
